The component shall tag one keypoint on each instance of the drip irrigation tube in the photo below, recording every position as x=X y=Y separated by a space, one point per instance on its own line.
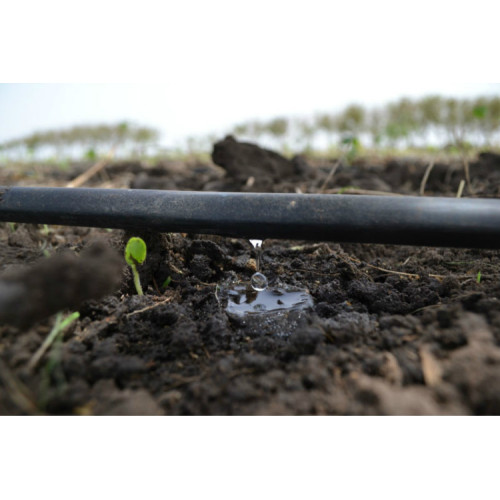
x=405 y=220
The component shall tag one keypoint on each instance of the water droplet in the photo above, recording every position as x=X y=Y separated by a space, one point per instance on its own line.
x=256 y=243
x=258 y=282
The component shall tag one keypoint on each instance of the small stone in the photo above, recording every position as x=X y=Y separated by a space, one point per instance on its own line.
x=251 y=265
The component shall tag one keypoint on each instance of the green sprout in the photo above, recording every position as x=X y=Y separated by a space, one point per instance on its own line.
x=135 y=253
x=60 y=325
x=478 y=278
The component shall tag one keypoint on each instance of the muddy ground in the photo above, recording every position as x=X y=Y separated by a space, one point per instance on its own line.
x=393 y=330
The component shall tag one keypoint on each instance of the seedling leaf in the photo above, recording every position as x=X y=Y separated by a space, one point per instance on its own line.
x=135 y=251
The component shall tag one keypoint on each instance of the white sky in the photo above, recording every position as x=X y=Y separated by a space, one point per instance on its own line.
x=221 y=62
x=179 y=112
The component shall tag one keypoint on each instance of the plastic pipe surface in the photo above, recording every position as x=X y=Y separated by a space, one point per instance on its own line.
x=405 y=220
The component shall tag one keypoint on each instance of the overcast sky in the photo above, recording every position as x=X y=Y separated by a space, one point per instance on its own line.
x=225 y=61
x=181 y=109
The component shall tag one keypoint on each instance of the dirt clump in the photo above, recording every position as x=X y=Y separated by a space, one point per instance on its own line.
x=248 y=163
x=63 y=281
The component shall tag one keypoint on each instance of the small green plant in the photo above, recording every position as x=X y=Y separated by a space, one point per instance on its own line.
x=57 y=331
x=478 y=277
x=353 y=146
x=346 y=188
x=90 y=154
x=167 y=282
x=52 y=379
x=135 y=253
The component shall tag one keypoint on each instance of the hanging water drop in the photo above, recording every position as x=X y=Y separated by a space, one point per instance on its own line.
x=256 y=243
x=258 y=282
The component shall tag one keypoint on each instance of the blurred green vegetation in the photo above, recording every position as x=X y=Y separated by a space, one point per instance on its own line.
x=404 y=125
x=418 y=126
x=87 y=142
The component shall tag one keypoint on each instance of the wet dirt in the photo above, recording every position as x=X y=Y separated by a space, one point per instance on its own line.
x=391 y=330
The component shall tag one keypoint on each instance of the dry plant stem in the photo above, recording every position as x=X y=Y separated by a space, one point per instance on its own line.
x=463 y=153
x=467 y=173
x=431 y=368
x=460 y=188
x=168 y=299
x=17 y=391
x=425 y=178
x=400 y=273
x=360 y=192
x=83 y=178
x=331 y=174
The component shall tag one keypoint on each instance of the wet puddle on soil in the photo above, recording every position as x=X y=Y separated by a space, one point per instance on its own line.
x=244 y=300
x=258 y=300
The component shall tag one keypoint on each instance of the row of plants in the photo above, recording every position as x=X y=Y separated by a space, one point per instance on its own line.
x=403 y=124
x=83 y=141
x=406 y=123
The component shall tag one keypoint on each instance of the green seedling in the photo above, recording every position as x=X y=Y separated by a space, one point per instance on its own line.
x=57 y=330
x=478 y=278
x=135 y=253
x=353 y=145
x=52 y=379
x=167 y=282
x=346 y=188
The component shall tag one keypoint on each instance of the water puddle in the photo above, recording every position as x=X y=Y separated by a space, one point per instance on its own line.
x=245 y=300
x=257 y=300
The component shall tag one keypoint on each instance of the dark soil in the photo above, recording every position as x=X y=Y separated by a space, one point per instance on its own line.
x=393 y=330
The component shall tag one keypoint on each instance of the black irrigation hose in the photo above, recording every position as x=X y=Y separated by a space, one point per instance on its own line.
x=405 y=220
